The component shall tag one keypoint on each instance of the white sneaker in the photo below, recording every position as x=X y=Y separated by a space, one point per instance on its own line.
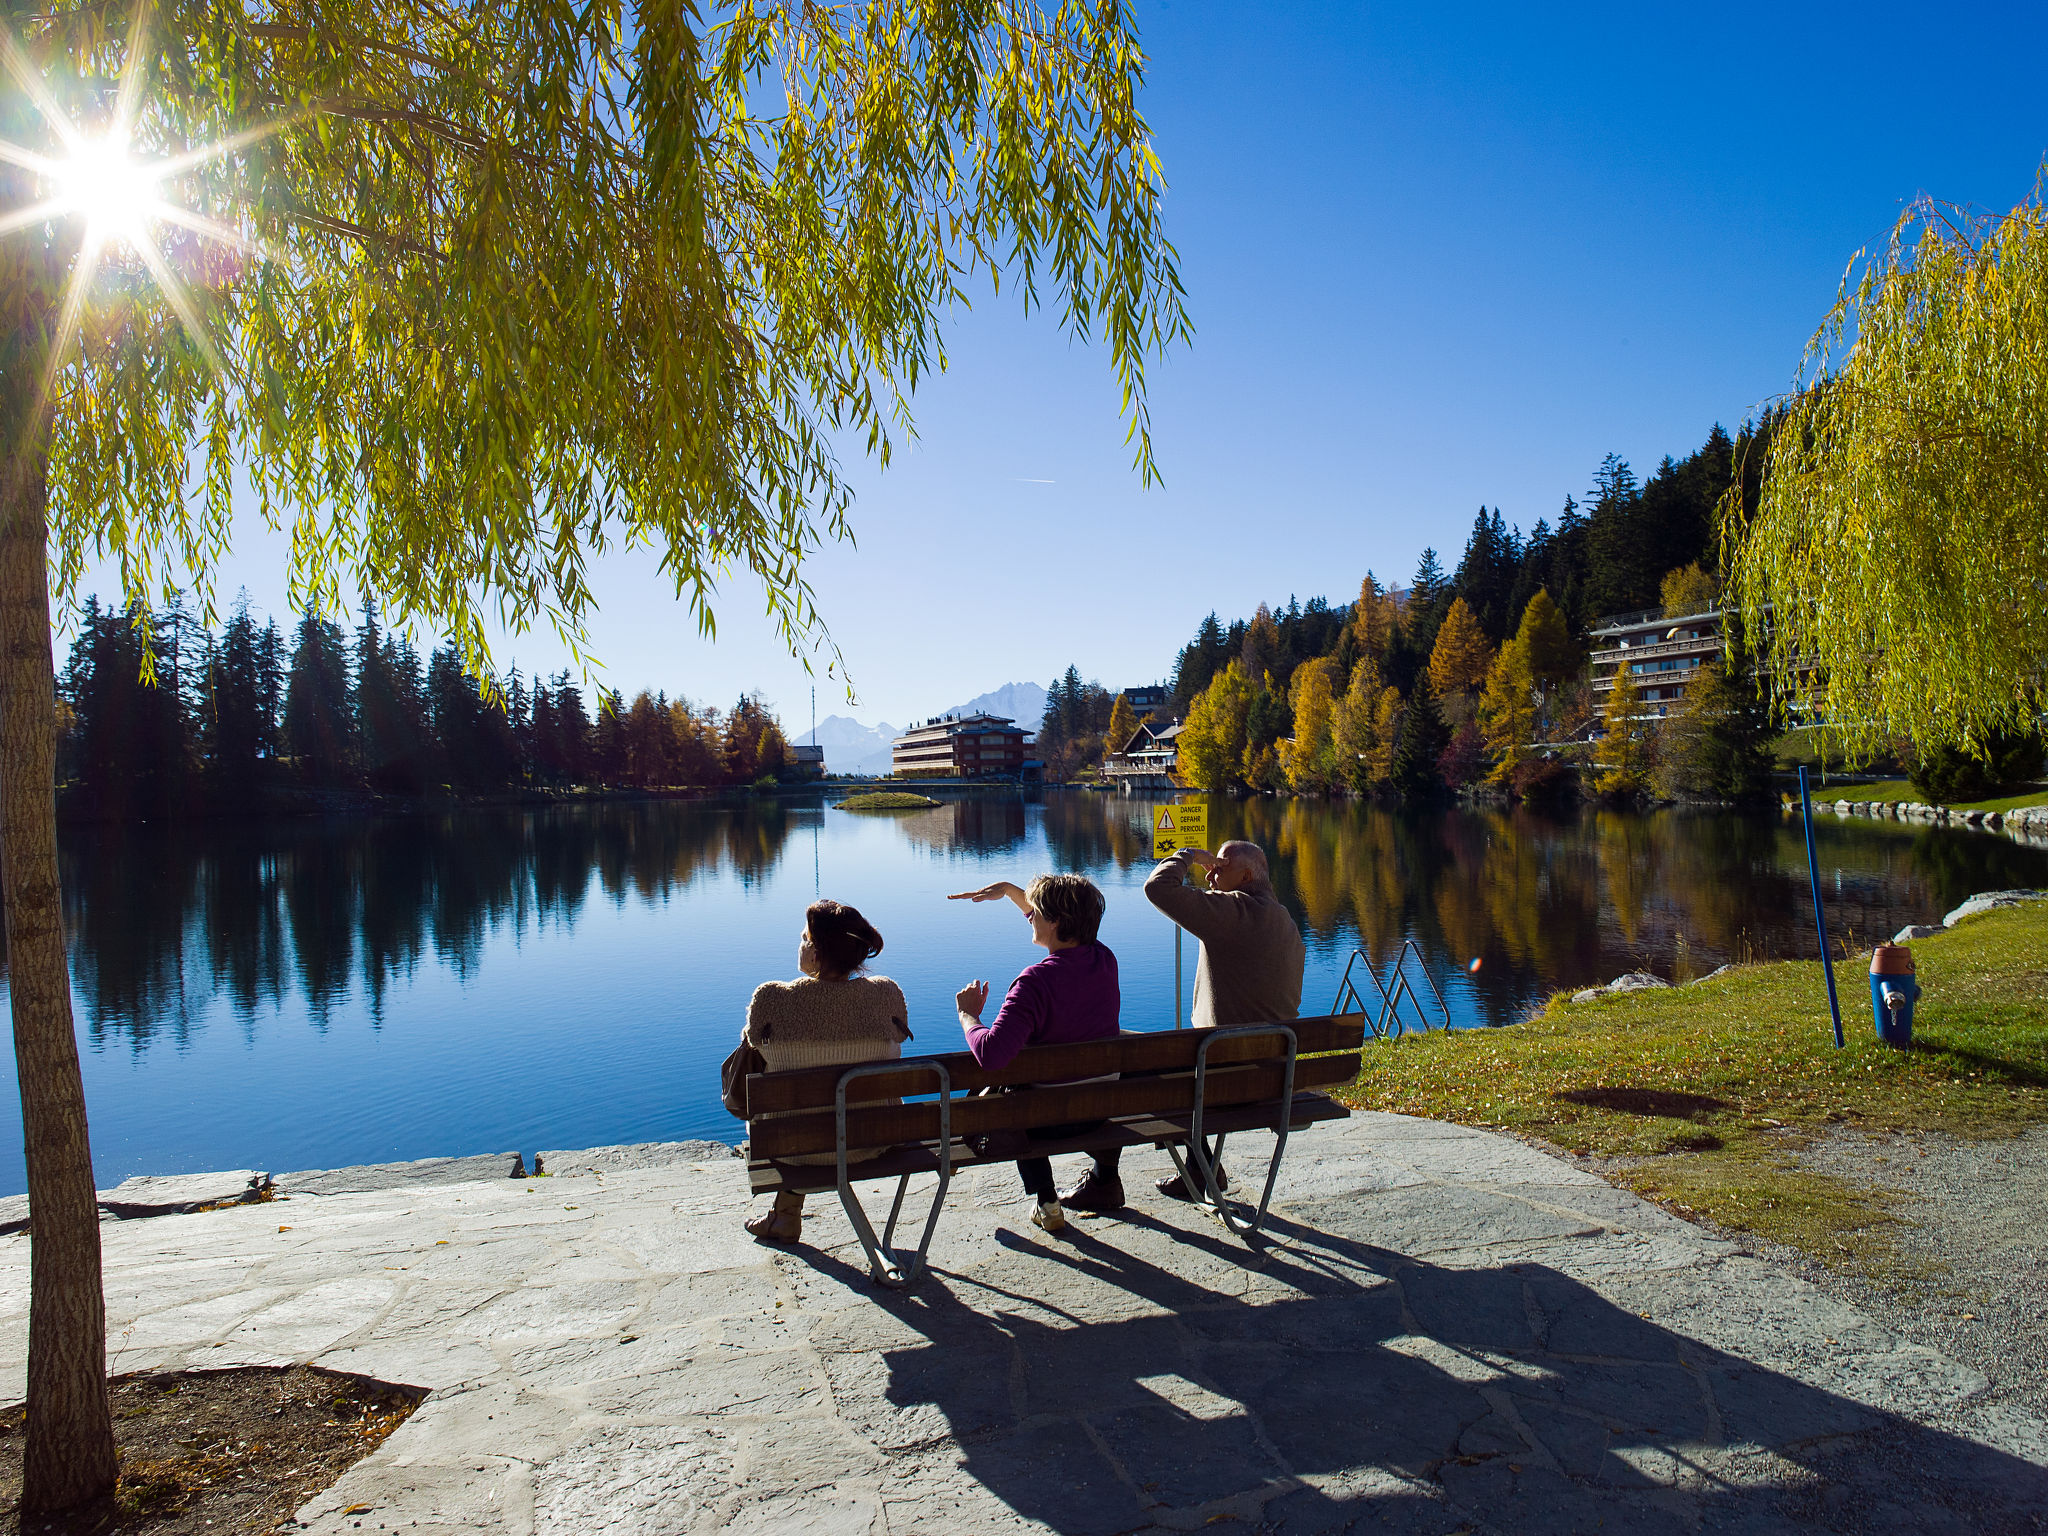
x=1050 y=1216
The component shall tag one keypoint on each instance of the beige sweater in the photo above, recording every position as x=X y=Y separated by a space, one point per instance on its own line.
x=1252 y=954
x=813 y=1023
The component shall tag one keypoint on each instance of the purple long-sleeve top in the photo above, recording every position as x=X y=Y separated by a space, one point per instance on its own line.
x=1069 y=996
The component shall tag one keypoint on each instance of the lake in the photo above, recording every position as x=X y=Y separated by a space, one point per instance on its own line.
x=319 y=994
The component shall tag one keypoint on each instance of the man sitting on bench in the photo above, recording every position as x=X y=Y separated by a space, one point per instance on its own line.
x=1252 y=955
x=1069 y=996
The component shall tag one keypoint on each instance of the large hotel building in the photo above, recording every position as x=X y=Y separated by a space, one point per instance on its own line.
x=973 y=747
x=1662 y=653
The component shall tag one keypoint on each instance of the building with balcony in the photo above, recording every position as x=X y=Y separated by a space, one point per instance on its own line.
x=968 y=747
x=1149 y=760
x=1663 y=653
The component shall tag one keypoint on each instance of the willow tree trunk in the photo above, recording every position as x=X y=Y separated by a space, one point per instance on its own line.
x=69 y=1455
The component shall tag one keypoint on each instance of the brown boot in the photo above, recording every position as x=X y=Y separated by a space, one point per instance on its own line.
x=782 y=1224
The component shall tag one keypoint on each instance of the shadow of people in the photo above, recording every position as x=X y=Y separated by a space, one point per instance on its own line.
x=1162 y=1375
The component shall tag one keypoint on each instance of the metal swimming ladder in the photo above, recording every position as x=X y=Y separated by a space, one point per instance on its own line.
x=1389 y=1024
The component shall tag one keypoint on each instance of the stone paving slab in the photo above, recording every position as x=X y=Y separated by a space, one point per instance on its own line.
x=1449 y=1331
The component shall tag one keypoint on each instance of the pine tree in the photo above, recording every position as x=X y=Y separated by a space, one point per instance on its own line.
x=1617 y=580
x=319 y=722
x=1423 y=742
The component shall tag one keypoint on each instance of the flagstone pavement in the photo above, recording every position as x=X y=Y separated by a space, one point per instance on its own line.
x=1449 y=1331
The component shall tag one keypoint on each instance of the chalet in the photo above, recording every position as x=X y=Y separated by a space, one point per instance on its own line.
x=1148 y=760
x=807 y=762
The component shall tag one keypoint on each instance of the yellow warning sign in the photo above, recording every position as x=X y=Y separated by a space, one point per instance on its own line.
x=1175 y=827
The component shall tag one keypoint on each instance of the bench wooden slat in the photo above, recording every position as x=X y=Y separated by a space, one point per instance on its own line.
x=765 y=1175
x=1131 y=1053
x=813 y=1131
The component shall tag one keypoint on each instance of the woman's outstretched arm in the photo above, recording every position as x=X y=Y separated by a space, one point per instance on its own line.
x=996 y=892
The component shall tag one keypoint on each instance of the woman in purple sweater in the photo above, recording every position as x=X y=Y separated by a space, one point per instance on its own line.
x=1069 y=996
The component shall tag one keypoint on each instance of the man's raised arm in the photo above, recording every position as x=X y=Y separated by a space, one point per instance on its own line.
x=1192 y=907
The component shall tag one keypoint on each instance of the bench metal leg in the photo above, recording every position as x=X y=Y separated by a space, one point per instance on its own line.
x=885 y=1264
x=1207 y=1162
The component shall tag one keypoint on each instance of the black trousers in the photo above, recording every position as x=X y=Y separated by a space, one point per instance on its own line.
x=1037 y=1171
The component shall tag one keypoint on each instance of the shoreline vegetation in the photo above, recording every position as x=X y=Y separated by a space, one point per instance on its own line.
x=244 y=722
x=1480 y=682
x=1704 y=1097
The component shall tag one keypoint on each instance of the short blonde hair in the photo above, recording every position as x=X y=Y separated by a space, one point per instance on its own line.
x=1071 y=903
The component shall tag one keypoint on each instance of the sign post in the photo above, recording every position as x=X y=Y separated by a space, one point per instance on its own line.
x=1175 y=827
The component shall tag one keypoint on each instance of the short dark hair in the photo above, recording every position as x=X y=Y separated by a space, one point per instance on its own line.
x=1071 y=903
x=844 y=940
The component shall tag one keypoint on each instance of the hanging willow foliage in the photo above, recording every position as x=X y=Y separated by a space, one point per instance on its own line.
x=1897 y=559
x=474 y=293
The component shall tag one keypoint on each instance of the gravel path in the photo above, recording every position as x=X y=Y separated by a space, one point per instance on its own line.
x=1976 y=1224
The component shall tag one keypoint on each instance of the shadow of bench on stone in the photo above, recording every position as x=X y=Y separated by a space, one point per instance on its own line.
x=1332 y=1383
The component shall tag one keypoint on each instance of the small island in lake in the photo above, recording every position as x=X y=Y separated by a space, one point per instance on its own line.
x=887 y=800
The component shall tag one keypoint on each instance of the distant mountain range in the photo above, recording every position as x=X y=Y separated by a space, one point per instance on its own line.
x=851 y=747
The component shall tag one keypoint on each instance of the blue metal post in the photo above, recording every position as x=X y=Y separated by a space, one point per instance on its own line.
x=1820 y=925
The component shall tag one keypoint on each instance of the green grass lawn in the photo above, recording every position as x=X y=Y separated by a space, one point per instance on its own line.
x=1894 y=790
x=887 y=800
x=1708 y=1091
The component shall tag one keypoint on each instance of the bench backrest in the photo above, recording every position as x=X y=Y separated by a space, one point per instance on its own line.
x=794 y=1111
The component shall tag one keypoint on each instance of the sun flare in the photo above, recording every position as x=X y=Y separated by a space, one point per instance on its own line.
x=114 y=192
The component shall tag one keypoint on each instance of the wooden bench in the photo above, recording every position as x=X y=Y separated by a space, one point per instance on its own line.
x=1173 y=1089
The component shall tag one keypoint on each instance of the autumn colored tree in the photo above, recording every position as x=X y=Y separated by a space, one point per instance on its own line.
x=1307 y=758
x=1352 y=738
x=1689 y=589
x=1386 y=737
x=1507 y=710
x=1626 y=749
x=467 y=295
x=1554 y=658
x=1212 y=739
x=1459 y=661
x=1123 y=725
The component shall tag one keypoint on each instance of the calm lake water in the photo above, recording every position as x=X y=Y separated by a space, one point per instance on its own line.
x=306 y=996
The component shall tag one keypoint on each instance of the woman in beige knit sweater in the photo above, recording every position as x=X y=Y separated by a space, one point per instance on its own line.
x=832 y=1016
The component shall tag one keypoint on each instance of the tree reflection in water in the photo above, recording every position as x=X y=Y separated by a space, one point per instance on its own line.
x=165 y=924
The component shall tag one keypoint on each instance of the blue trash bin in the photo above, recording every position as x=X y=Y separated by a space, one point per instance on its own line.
x=1893 y=991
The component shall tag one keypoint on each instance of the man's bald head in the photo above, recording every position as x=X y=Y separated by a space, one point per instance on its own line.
x=1240 y=866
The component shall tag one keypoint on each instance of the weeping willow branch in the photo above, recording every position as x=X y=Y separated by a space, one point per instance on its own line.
x=1897 y=558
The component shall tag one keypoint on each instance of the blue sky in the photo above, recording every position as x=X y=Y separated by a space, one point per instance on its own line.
x=1436 y=256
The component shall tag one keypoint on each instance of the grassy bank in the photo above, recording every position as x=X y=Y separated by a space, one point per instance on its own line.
x=887 y=800
x=1703 y=1095
x=1896 y=791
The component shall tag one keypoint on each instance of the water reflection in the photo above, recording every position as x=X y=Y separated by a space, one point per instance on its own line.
x=162 y=926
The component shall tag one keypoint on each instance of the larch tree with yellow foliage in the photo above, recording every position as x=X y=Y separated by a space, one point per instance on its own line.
x=1212 y=738
x=1308 y=757
x=1351 y=726
x=1123 y=725
x=1507 y=710
x=1625 y=752
x=1459 y=662
x=1689 y=589
x=1386 y=736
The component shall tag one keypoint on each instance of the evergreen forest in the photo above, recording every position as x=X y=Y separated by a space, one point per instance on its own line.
x=160 y=716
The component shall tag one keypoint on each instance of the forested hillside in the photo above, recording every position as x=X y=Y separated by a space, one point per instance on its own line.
x=238 y=716
x=1450 y=679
